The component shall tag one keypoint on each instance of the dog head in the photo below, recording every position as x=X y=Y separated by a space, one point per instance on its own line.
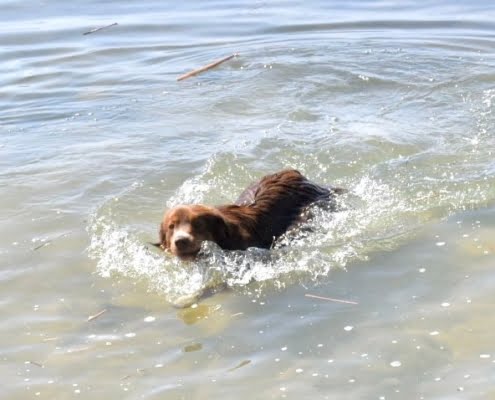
x=184 y=228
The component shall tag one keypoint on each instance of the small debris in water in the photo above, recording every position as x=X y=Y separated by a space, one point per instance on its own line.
x=192 y=347
x=35 y=363
x=395 y=364
x=99 y=314
x=445 y=304
x=46 y=242
x=149 y=319
x=77 y=349
x=348 y=328
x=206 y=67
x=485 y=356
x=237 y=314
x=41 y=245
x=330 y=299
x=100 y=28
x=440 y=244
x=434 y=333
x=240 y=365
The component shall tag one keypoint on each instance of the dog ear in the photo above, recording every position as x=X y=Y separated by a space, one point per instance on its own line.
x=164 y=239
x=219 y=230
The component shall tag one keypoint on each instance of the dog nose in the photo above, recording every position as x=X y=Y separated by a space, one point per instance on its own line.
x=182 y=243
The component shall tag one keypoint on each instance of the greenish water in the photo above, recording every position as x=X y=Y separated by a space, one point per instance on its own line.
x=97 y=139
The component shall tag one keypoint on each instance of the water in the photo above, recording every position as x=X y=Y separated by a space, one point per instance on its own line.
x=392 y=101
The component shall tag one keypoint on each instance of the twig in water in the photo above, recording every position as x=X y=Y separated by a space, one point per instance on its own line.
x=42 y=245
x=77 y=349
x=36 y=363
x=236 y=314
x=330 y=299
x=100 y=28
x=206 y=67
x=49 y=241
x=240 y=365
x=92 y=317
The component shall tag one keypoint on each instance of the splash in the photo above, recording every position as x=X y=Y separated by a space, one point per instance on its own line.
x=329 y=240
x=118 y=252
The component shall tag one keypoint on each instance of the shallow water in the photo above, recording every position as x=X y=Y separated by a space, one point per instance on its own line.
x=393 y=102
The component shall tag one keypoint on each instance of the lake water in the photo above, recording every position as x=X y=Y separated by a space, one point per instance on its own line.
x=391 y=100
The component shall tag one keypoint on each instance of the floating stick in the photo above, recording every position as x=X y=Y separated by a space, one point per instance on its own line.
x=100 y=28
x=206 y=67
x=49 y=241
x=92 y=317
x=36 y=363
x=330 y=299
x=240 y=365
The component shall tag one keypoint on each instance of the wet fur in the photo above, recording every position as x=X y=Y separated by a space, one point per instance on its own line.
x=263 y=212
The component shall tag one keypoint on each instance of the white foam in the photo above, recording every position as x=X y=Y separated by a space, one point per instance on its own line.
x=332 y=241
x=119 y=252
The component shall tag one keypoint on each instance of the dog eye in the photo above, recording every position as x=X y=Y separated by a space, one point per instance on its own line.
x=171 y=226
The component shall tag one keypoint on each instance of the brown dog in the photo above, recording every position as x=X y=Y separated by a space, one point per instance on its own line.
x=263 y=212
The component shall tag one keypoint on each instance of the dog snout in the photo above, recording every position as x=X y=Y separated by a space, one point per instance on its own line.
x=183 y=242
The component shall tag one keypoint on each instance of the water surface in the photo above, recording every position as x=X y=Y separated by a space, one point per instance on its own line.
x=392 y=101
